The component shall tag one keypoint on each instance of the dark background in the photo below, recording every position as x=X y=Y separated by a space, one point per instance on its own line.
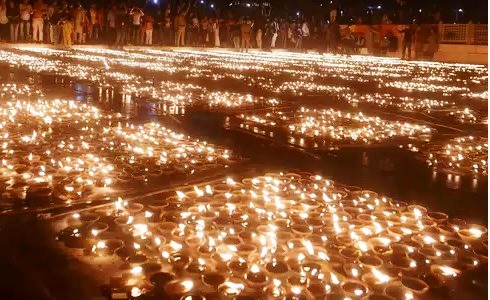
x=371 y=11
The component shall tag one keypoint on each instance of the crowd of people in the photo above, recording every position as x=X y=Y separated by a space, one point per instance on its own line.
x=119 y=25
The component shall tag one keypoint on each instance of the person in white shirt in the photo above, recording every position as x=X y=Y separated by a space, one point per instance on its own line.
x=25 y=20
x=274 y=31
x=136 y=36
x=215 y=27
x=39 y=12
x=305 y=29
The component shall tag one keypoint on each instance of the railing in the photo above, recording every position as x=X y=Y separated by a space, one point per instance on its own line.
x=470 y=34
x=480 y=35
x=453 y=33
x=463 y=33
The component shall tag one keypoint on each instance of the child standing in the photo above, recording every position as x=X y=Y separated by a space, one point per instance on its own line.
x=149 y=29
x=67 y=28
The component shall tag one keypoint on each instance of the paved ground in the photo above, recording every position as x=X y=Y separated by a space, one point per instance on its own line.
x=385 y=168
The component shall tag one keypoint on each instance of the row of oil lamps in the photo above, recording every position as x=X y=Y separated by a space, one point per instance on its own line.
x=338 y=126
x=460 y=155
x=69 y=150
x=277 y=236
x=117 y=63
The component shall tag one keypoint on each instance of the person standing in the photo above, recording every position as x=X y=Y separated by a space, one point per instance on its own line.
x=215 y=27
x=13 y=14
x=179 y=25
x=305 y=30
x=333 y=15
x=55 y=14
x=94 y=26
x=4 y=21
x=194 y=31
x=407 y=41
x=298 y=36
x=275 y=32
x=25 y=20
x=160 y=21
x=432 y=44
x=224 y=33
x=120 y=26
x=235 y=33
x=149 y=29
x=258 y=38
x=167 y=28
x=79 y=21
x=284 y=28
x=136 y=13
x=67 y=29
x=111 y=24
x=204 y=31
x=38 y=13
x=101 y=17
x=49 y=13
x=334 y=37
x=246 y=30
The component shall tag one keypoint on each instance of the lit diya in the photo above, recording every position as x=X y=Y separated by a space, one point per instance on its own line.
x=232 y=288
x=238 y=267
x=255 y=277
x=177 y=288
x=196 y=268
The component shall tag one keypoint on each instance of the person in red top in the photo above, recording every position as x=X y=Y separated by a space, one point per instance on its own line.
x=148 y=29
x=38 y=12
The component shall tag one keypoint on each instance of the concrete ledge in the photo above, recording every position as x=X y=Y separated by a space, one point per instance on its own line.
x=471 y=54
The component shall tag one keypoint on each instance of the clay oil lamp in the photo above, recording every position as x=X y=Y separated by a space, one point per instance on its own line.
x=231 y=288
x=196 y=268
x=194 y=241
x=107 y=247
x=319 y=289
x=213 y=279
x=414 y=285
x=84 y=219
x=72 y=238
x=179 y=261
x=381 y=246
x=470 y=233
x=275 y=290
x=207 y=249
x=298 y=280
x=277 y=268
x=355 y=289
x=296 y=293
x=350 y=254
x=437 y=217
x=238 y=267
x=159 y=279
x=352 y=270
x=177 y=288
x=375 y=281
x=255 y=277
